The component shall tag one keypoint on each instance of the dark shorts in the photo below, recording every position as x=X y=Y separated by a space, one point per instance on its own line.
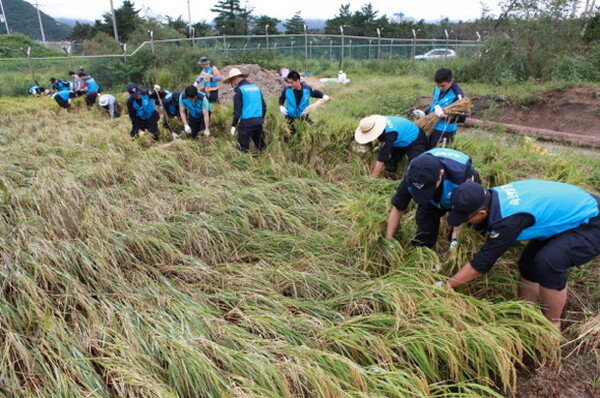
x=253 y=133
x=547 y=261
x=213 y=96
x=90 y=99
x=150 y=124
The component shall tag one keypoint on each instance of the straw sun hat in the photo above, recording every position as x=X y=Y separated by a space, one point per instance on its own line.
x=233 y=73
x=370 y=128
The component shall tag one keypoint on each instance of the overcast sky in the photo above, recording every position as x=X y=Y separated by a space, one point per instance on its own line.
x=320 y=9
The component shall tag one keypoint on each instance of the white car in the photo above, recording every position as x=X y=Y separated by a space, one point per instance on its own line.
x=436 y=53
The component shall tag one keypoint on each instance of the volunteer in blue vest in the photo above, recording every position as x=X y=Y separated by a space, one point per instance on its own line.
x=208 y=80
x=37 y=91
x=92 y=88
x=63 y=98
x=193 y=109
x=398 y=135
x=296 y=98
x=249 y=110
x=445 y=92
x=560 y=221
x=59 y=85
x=429 y=181
x=108 y=103
x=141 y=106
x=170 y=101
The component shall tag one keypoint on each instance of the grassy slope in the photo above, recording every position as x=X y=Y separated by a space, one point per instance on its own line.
x=131 y=269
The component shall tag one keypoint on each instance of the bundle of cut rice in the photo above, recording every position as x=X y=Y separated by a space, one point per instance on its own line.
x=458 y=108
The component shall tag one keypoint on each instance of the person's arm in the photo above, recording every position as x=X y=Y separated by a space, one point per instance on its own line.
x=182 y=112
x=205 y=112
x=316 y=93
x=377 y=169
x=216 y=74
x=131 y=110
x=282 y=97
x=238 y=103
x=264 y=105
x=384 y=153
x=502 y=235
x=400 y=202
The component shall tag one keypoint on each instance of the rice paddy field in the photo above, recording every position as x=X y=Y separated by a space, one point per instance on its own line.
x=135 y=269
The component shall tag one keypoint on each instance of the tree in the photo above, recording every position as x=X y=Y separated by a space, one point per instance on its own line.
x=259 y=24
x=344 y=18
x=295 y=25
x=81 y=31
x=127 y=21
x=232 y=18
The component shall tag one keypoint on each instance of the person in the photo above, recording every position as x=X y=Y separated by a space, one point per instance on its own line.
x=296 y=98
x=399 y=136
x=76 y=82
x=141 y=106
x=429 y=181
x=249 y=110
x=37 y=91
x=109 y=104
x=59 y=85
x=91 y=88
x=193 y=109
x=446 y=92
x=63 y=98
x=561 y=222
x=208 y=80
x=170 y=102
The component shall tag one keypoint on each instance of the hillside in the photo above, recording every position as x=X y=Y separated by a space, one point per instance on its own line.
x=22 y=18
x=14 y=45
x=188 y=269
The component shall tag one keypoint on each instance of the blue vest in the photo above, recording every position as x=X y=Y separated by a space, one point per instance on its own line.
x=61 y=85
x=252 y=101
x=171 y=104
x=407 y=130
x=556 y=207
x=457 y=167
x=93 y=87
x=195 y=107
x=33 y=89
x=146 y=109
x=209 y=83
x=65 y=94
x=294 y=109
x=448 y=98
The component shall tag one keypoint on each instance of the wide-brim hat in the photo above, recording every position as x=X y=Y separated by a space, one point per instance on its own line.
x=234 y=73
x=369 y=128
x=203 y=61
x=103 y=100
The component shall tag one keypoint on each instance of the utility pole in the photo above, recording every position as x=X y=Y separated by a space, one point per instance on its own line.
x=189 y=18
x=114 y=21
x=4 y=17
x=40 y=20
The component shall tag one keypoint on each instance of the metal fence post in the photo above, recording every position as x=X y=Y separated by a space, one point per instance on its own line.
x=151 y=34
x=342 y=48
x=305 y=46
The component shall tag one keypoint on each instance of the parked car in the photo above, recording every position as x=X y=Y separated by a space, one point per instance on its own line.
x=436 y=53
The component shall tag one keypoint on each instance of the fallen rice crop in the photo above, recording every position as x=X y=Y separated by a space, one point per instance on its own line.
x=132 y=269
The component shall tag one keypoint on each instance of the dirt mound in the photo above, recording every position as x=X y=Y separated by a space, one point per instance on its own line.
x=269 y=81
x=574 y=110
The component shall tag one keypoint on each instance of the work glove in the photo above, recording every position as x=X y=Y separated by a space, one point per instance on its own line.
x=417 y=114
x=141 y=133
x=453 y=245
x=326 y=97
x=156 y=87
x=233 y=131
x=207 y=133
x=441 y=284
x=283 y=110
x=188 y=129
x=175 y=136
x=439 y=112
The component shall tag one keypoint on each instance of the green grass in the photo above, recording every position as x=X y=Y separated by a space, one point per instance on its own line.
x=133 y=269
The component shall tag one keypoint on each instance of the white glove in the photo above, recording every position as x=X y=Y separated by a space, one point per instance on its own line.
x=141 y=133
x=441 y=284
x=283 y=110
x=439 y=112
x=326 y=97
x=156 y=87
x=187 y=129
x=233 y=131
x=417 y=113
x=175 y=136
x=207 y=133
x=453 y=245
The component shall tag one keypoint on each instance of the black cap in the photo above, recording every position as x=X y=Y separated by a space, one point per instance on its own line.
x=466 y=200
x=422 y=175
x=52 y=79
x=191 y=91
x=203 y=61
x=133 y=88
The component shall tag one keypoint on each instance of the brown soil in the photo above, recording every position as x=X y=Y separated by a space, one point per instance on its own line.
x=269 y=81
x=574 y=110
